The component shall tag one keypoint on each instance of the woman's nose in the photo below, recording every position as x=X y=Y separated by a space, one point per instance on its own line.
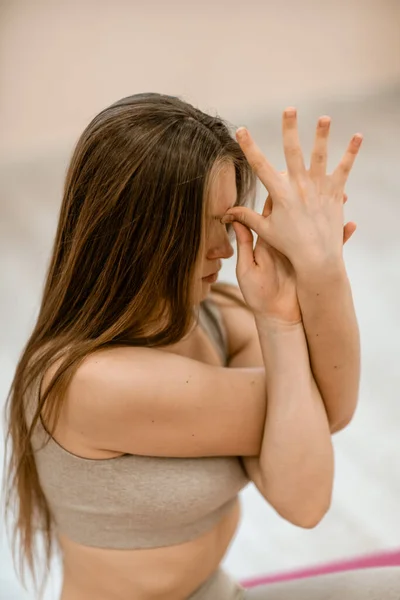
x=224 y=250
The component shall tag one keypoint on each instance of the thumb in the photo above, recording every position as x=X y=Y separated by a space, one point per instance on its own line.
x=246 y=216
x=348 y=231
x=244 y=243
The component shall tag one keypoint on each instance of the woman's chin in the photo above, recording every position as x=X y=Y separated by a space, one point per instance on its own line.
x=202 y=292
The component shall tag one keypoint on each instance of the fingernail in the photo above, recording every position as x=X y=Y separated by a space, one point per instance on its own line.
x=324 y=121
x=241 y=133
x=290 y=112
x=227 y=219
x=357 y=139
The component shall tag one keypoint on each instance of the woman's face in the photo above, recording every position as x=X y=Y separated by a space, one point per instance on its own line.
x=223 y=195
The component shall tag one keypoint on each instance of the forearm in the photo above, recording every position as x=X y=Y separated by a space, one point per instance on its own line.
x=331 y=328
x=296 y=459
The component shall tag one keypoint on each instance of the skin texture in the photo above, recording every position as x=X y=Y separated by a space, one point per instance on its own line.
x=87 y=432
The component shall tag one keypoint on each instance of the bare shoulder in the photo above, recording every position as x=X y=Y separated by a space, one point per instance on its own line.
x=151 y=402
x=243 y=340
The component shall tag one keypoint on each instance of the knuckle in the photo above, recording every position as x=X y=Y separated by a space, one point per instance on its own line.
x=293 y=151
x=256 y=163
x=319 y=157
x=239 y=216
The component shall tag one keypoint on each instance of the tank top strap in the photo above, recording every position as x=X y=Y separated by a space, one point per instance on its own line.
x=211 y=320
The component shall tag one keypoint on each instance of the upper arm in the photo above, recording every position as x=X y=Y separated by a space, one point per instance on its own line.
x=149 y=402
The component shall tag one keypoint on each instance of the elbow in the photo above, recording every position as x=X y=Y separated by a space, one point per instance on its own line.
x=338 y=425
x=312 y=520
x=344 y=418
x=306 y=517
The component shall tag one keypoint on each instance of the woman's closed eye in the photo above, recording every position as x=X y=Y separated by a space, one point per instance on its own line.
x=228 y=226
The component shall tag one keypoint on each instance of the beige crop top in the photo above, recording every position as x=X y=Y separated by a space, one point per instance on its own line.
x=138 y=501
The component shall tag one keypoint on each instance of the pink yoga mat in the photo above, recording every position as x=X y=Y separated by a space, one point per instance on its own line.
x=382 y=559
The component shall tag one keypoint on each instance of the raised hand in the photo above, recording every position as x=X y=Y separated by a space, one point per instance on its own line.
x=306 y=218
x=301 y=222
x=265 y=276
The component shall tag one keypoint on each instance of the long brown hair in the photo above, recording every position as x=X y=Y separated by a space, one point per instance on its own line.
x=128 y=236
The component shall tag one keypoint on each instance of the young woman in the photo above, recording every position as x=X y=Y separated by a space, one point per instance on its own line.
x=146 y=398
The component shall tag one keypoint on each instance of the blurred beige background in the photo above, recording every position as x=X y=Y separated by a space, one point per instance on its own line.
x=61 y=62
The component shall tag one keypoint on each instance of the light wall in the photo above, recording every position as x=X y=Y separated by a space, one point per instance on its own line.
x=63 y=61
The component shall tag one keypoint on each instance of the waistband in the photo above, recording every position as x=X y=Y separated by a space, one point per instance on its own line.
x=220 y=586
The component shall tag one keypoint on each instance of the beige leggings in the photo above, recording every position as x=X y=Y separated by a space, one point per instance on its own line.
x=364 y=584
